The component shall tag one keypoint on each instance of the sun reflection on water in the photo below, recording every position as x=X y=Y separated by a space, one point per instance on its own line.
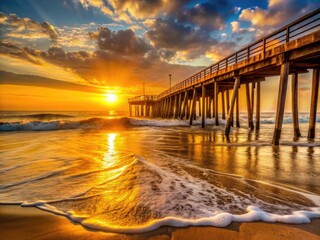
x=110 y=153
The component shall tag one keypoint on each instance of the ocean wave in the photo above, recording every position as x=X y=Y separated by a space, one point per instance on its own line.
x=286 y=120
x=100 y=123
x=91 y=123
x=40 y=116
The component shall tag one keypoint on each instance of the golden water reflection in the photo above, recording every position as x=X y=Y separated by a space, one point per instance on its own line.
x=110 y=153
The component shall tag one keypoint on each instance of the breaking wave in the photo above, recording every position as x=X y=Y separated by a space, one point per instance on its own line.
x=44 y=122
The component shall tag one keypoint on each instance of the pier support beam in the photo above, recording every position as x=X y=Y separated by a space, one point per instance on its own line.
x=228 y=100
x=233 y=99
x=209 y=100
x=223 y=106
x=184 y=104
x=178 y=106
x=188 y=109
x=216 y=110
x=199 y=106
x=193 y=106
x=250 y=121
x=130 y=110
x=175 y=108
x=203 y=106
x=281 y=102
x=253 y=86
x=294 y=103
x=237 y=110
x=142 y=110
x=314 y=102
x=213 y=102
x=258 y=107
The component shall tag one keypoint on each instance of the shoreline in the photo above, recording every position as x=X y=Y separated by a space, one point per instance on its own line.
x=19 y=222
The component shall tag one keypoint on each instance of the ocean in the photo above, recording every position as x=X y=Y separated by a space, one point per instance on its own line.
x=111 y=172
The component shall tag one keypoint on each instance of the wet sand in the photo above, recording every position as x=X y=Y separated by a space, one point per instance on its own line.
x=31 y=223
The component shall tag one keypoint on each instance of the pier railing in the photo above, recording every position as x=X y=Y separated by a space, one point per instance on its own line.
x=299 y=28
x=142 y=98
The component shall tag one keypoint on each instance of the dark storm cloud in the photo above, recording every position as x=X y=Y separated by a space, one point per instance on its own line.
x=121 y=42
x=208 y=16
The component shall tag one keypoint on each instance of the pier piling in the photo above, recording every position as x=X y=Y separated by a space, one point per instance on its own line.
x=203 y=106
x=250 y=121
x=294 y=103
x=314 y=102
x=233 y=99
x=281 y=102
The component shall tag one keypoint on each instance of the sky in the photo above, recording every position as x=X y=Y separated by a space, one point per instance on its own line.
x=72 y=54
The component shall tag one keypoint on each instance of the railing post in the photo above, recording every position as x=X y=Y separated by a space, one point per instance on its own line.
x=264 y=48
x=287 y=34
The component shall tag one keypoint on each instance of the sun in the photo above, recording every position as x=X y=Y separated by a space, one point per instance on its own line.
x=110 y=98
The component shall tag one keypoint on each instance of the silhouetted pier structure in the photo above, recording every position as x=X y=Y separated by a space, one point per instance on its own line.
x=292 y=49
x=142 y=105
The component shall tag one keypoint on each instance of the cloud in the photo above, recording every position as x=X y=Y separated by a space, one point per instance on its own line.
x=147 y=8
x=27 y=28
x=278 y=13
x=7 y=78
x=97 y=4
x=76 y=37
x=169 y=34
x=235 y=25
x=15 y=50
x=129 y=11
x=123 y=42
x=208 y=16
x=221 y=50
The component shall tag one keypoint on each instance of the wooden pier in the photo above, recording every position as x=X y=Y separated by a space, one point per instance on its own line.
x=293 y=49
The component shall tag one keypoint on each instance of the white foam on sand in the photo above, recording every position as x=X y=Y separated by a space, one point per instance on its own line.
x=219 y=220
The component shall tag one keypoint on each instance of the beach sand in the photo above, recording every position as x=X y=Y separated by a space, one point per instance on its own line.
x=31 y=223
